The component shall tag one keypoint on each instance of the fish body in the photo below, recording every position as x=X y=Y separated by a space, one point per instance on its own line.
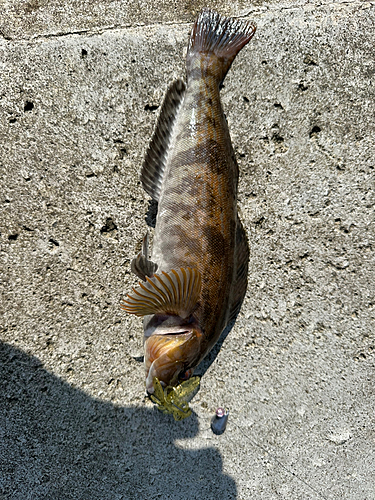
x=199 y=249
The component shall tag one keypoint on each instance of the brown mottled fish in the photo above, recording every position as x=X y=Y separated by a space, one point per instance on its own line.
x=196 y=278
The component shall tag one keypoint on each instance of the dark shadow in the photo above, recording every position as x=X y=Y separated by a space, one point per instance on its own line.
x=56 y=442
x=211 y=356
x=152 y=212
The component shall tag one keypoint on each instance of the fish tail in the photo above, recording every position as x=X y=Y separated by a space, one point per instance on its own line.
x=214 y=43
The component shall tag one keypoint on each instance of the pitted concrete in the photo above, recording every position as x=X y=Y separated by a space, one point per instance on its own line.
x=80 y=88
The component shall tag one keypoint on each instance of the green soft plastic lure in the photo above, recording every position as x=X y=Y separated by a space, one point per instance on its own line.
x=174 y=400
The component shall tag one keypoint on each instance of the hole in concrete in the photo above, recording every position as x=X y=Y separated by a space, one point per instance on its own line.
x=259 y=222
x=83 y=53
x=54 y=242
x=12 y=120
x=109 y=226
x=29 y=106
x=277 y=138
x=245 y=99
x=279 y=143
x=278 y=105
x=309 y=61
x=302 y=87
x=150 y=108
x=13 y=237
x=314 y=131
x=122 y=153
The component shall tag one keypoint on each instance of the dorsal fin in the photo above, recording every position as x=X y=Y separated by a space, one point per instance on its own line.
x=142 y=266
x=176 y=292
x=242 y=265
x=156 y=156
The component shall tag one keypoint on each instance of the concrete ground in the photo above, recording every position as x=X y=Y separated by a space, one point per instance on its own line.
x=80 y=86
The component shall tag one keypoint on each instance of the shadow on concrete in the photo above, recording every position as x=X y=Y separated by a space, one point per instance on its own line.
x=152 y=212
x=211 y=356
x=56 y=442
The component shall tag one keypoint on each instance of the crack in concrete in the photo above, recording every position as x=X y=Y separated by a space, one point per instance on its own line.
x=255 y=11
x=309 y=3
x=90 y=31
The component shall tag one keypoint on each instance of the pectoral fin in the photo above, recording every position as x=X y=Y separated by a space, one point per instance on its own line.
x=141 y=265
x=176 y=292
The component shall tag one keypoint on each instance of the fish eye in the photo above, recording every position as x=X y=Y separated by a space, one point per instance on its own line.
x=185 y=375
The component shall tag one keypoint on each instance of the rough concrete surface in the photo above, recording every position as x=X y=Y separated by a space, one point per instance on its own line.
x=80 y=86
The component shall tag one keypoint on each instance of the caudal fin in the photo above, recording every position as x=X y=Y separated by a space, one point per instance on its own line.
x=215 y=41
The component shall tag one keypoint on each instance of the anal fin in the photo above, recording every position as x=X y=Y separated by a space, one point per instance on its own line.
x=156 y=156
x=141 y=265
x=176 y=292
x=242 y=265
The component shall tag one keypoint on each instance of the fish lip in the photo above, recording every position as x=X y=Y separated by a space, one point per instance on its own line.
x=167 y=325
x=181 y=332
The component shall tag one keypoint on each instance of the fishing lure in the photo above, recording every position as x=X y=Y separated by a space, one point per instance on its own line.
x=174 y=400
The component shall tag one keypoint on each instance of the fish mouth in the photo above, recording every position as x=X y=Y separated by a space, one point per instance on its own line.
x=167 y=355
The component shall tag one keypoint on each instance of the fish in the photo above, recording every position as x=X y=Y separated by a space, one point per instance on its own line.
x=195 y=279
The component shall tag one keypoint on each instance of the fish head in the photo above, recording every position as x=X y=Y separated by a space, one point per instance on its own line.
x=171 y=357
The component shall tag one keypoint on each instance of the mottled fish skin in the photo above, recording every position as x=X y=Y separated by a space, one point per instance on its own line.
x=197 y=226
x=197 y=212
